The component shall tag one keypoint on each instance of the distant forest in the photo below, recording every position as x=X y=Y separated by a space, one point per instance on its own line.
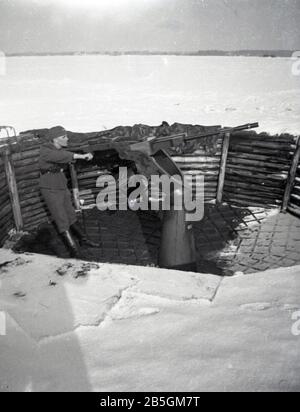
x=259 y=53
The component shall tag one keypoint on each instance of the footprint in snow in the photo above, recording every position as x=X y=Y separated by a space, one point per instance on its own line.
x=256 y=307
x=19 y=294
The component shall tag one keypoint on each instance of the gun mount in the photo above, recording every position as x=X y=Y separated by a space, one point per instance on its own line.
x=151 y=156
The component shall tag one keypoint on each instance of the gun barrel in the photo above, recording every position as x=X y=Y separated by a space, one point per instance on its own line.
x=225 y=130
x=246 y=126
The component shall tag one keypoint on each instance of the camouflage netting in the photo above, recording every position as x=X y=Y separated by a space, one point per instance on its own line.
x=138 y=133
x=120 y=137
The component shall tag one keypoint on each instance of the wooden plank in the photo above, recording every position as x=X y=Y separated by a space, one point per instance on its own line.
x=222 y=172
x=13 y=191
x=294 y=209
x=291 y=177
x=75 y=187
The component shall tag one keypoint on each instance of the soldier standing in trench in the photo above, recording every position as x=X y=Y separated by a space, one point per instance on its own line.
x=53 y=185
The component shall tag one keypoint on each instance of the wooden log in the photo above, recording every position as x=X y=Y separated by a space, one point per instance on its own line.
x=35 y=225
x=33 y=162
x=255 y=187
x=6 y=208
x=296 y=190
x=35 y=201
x=253 y=190
x=89 y=175
x=196 y=159
x=28 y=208
x=204 y=184
x=27 y=176
x=24 y=184
x=29 y=192
x=222 y=172
x=3 y=183
x=241 y=191
x=6 y=215
x=2 y=177
x=262 y=145
x=75 y=187
x=198 y=152
x=24 y=171
x=4 y=235
x=13 y=191
x=268 y=197
x=291 y=177
x=36 y=212
x=197 y=166
x=4 y=195
x=246 y=136
x=249 y=171
x=37 y=217
x=27 y=214
x=295 y=197
x=251 y=197
x=5 y=229
x=5 y=221
x=254 y=156
x=25 y=146
x=261 y=148
x=294 y=209
x=269 y=184
x=248 y=203
x=29 y=154
x=207 y=178
x=258 y=164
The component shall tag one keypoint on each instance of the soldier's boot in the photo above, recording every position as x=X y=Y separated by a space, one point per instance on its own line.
x=83 y=240
x=70 y=243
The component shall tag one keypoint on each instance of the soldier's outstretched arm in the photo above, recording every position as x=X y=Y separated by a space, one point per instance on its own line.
x=62 y=156
x=85 y=156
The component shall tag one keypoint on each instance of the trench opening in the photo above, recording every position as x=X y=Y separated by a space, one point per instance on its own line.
x=232 y=237
x=229 y=239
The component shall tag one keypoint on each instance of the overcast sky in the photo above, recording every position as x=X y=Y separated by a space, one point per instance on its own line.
x=156 y=25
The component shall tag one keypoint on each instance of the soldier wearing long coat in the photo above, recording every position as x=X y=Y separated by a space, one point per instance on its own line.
x=53 y=186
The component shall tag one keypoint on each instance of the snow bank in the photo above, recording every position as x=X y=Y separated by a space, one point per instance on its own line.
x=73 y=325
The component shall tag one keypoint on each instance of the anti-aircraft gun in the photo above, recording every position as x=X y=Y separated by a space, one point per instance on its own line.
x=177 y=242
x=177 y=248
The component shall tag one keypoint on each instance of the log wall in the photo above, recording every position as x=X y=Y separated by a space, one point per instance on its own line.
x=294 y=199
x=6 y=213
x=33 y=208
x=257 y=168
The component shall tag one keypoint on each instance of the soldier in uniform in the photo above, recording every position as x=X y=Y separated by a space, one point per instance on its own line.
x=53 y=185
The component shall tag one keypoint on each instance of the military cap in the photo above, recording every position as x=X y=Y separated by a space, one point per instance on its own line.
x=55 y=132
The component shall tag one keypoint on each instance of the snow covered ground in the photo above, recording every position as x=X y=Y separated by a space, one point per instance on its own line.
x=72 y=325
x=91 y=93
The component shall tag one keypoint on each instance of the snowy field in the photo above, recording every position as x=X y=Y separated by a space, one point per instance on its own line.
x=92 y=93
x=100 y=327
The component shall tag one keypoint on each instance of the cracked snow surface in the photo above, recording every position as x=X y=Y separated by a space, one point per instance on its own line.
x=79 y=326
